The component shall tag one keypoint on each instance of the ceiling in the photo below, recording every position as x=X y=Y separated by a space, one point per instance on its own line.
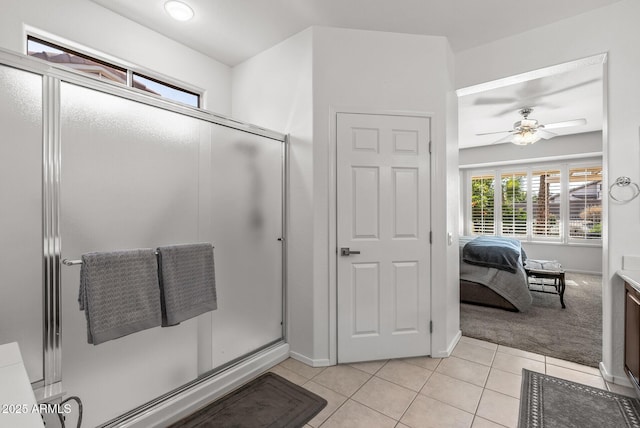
x=233 y=30
x=576 y=93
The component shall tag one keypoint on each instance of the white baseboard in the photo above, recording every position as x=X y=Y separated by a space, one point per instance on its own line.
x=310 y=361
x=447 y=352
x=186 y=402
x=618 y=380
x=585 y=272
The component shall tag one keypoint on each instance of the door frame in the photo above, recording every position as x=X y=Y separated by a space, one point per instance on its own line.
x=333 y=209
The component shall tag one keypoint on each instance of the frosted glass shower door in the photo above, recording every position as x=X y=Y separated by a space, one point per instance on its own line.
x=21 y=239
x=246 y=225
x=130 y=175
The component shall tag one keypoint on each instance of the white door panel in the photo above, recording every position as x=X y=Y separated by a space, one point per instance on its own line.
x=383 y=212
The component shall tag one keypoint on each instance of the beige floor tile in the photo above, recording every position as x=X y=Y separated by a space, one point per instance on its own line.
x=344 y=380
x=289 y=375
x=521 y=353
x=573 y=366
x=334 y=401
x=576 y=376
x=385 y=397
x=499 y=408
x=483 y=343
x=504 y=382
x=301 y=368
x=474 y=352
x=479 y=422
x=404 y=374
x=356 y=415
x=370 y=367
x=514 y=364
x=424 y=362
x=467 y=371
x=623 y=390
x=426 y=412
x=455 y=392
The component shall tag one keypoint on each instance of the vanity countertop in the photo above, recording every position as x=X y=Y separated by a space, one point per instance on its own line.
x=19 y=409
x=632 y=277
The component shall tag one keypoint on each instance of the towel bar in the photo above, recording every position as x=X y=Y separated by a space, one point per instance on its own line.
x=68 y=262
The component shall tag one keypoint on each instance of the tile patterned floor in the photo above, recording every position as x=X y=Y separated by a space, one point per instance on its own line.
x=478 y=387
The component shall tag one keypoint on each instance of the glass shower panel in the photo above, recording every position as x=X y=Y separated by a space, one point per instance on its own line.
x=246 y=223
x=21 y=256
x=130 y=179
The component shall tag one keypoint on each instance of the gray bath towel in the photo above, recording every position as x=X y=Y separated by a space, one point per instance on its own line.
x=119 y=292
x=187 y=281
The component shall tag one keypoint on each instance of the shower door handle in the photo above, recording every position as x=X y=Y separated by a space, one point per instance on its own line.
x=346 y=251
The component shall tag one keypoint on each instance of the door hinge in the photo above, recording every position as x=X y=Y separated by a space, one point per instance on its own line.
x=429 y=147
x=430 y=326
x=430 y=237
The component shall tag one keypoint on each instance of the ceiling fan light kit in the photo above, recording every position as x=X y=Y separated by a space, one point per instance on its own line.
x=525 y=137
x=528 y=131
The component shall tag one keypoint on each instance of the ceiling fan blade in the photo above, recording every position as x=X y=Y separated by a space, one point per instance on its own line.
x=545 y=134
x=494 y=100
x=568 y=88
x=506 y=139
x=566 y=124
x=496 y=132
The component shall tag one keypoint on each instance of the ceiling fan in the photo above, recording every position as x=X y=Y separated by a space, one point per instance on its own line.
x=528 y=131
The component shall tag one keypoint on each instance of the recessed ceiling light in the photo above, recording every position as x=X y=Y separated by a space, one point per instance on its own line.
x=178 y=10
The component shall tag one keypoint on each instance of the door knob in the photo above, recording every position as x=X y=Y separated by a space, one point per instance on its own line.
x=346 y=251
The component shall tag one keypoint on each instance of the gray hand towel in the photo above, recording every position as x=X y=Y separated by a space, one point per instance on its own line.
x=187 y=281
x=119 y=292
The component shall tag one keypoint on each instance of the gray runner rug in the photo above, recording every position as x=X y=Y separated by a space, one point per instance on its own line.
x=268 y=401
x=547 y=401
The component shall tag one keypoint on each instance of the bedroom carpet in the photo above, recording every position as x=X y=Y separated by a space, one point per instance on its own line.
x=573 y=334
x=268 y=401
x=551 y=402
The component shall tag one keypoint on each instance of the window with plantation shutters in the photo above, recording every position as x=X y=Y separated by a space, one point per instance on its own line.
x=483 y=205
x=514 y=204
x=551 y=203
x=545 y=196
x=585 y=203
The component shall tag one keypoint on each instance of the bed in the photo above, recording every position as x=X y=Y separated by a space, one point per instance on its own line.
x=492 y=273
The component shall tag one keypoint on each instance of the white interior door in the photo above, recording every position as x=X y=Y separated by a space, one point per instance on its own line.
x=383 y=222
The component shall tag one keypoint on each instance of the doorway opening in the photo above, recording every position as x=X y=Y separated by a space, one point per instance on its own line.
x=532 y=167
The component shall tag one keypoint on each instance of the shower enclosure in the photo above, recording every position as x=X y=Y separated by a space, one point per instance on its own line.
x=89 y=166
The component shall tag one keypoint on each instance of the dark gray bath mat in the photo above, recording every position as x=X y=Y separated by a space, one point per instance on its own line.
x=547 y=401
x=268 y=401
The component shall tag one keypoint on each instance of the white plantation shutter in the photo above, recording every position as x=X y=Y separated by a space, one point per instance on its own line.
x=585 y=203
x=557 y=203
x=483 y=205
x=545 y=191
x=514 y=204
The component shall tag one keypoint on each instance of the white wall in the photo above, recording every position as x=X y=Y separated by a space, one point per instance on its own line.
x=612 y=29
x=350 y=70
x=91 y=25
x=377 y=71
x=274 y=89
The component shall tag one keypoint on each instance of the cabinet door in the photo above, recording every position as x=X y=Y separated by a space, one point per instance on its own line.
x=632 y=333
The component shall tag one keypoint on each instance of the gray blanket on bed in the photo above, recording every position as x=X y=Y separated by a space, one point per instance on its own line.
x=493 y=251
x=511 y=286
